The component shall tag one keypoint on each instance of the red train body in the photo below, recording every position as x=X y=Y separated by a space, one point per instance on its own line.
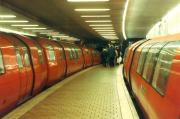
x=154 y=76
x=88 y=61
x=96 y=57
x=28 y=66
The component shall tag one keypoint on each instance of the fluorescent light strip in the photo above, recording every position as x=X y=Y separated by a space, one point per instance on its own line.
x=13 y=21
x=60 y=36
x=42 y=30
x=95 y=16
x=100 y=21
x=7 y=16
x=109 y=36
x=100 y=25
x=16 y=32
x=24 y=25
x=34 y=28
x=124 y=20
x=91 y=10
x=87 y=0
x=50 y=33
x=104 y=30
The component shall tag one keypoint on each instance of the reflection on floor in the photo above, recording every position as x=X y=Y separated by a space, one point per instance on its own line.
x=95 y=93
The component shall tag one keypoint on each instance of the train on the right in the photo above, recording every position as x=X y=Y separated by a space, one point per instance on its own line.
x=151 y=70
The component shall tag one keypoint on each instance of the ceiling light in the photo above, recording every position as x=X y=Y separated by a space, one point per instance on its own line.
x=111 y=37
x=100 y=25
x=42 y=30
x=95 y=16
x=108 y=34
x=50 y=33
x=12 y=21
x=104 y=30
x=91 y=10
x=24 y=25
x=60 y=36
x=124 y=20
x=16 y=32
x=99 y=21
x=87 y=0
x=7 y=16
x=34 y=28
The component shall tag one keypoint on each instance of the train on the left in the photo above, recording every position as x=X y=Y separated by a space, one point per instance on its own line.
x=30 y=65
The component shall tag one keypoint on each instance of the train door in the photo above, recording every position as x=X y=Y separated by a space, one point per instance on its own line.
x=26 y=69
x=62 y=60
x=22 y=74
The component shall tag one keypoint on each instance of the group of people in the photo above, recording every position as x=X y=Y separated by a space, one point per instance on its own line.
x=110 y=56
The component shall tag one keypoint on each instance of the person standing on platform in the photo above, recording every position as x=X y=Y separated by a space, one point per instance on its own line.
x=111 y=53
x=105 y=57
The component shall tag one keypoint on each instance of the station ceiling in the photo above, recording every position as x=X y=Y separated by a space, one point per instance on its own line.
x=61 y=15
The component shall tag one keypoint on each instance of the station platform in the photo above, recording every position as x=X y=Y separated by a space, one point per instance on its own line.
x=94 y=93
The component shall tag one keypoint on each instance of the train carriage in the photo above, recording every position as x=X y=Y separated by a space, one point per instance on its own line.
x=53 y=53
x=29 y=65
x=154 y=76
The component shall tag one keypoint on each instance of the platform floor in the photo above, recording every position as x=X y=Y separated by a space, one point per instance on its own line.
x=94 y=93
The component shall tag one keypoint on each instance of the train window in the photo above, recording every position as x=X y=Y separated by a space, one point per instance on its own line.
x=151 y=61
x=18 y=57
x=62 y=53
x=70 y=53
x=51 y=53
x=74 y=53
x=163 y=67
x=40 y=54
x=2 y=70
x=142 y=58
x=26 y=57
x=77 y=53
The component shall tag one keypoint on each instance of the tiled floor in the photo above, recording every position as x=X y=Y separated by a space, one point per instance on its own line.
x=95 y=93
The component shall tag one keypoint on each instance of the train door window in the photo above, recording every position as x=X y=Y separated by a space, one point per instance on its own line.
x=18 y=57
x=74 y=53
x=142 y=58
x=2 y=70
x=163 y=67
x=151 y=61
x=70 y=53
x=62 y=53
x=40 y=54
x=26 y=57
x=51 y=53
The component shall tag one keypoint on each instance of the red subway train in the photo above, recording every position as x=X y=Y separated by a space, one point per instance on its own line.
x=152 y=71
x=30 y=65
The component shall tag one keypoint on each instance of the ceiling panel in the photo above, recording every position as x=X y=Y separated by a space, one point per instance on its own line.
x=60 y=15
x=143 y=14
